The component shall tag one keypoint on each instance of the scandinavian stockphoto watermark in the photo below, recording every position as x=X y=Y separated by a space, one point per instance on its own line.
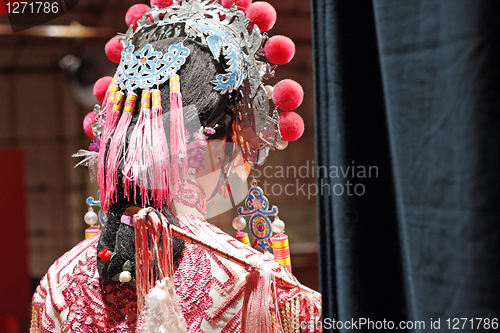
x=295 y=180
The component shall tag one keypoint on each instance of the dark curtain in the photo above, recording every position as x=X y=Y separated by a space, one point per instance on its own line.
x=412 y=89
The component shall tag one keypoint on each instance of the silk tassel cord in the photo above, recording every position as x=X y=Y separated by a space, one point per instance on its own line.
x=117 y=147
x=160 y=191
x=177 y=135
x=260 y=303
x=156 y=297
x=139 y=156
x=115 y=101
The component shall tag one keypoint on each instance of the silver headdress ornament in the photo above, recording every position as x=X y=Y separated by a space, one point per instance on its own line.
x=225 y=32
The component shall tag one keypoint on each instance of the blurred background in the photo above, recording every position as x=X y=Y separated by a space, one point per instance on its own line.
x=47 y=75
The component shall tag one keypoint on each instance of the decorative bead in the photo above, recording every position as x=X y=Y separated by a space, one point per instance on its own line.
x=262 y=14
x=291 y=125
x=278 y=226
x=269 y=91
x=282 y=144
x=95 y=148
x=288 y=95
x=135 y=13
x=100 y=88
x=113 y=49
x=125 y=276
x=90 y=217
x=279 y=50
x=239 y=223
x=88 y=121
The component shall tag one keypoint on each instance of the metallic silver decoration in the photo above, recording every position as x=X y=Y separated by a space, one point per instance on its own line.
x=203 y=21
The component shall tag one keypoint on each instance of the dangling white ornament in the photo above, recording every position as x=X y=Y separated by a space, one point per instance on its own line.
x=90 y=217
x=281 y=144
x=125 y=276
x=269 y=91
x=239 y=223
x=278 y=226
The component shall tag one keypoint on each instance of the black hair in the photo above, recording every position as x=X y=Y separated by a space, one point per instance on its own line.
x=203 y=106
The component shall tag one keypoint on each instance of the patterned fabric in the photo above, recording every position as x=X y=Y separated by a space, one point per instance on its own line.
x=72 y=297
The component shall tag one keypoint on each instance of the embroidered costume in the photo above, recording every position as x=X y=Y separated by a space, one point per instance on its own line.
x=157 y=265
x=72 y=297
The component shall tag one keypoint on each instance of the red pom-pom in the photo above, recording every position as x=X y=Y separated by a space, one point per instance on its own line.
x=101 y=86
x=105 y=254
x=241 y=4
x=291 y=126
x=134 y=13
x=262 y=14
x=279 y=49
x=288 y=95
x=88 y=121
x=114 y=49
x=162 y=3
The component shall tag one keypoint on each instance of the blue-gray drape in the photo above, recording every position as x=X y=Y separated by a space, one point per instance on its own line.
x=412 y=89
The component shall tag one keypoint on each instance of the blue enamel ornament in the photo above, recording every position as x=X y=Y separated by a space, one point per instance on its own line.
x=147 y=68
x=257 y=207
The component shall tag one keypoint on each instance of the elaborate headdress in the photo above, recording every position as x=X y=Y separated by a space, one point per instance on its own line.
x=231 y=37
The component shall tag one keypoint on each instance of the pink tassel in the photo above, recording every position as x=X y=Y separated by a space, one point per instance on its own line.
x=138 y=165
x=177 y=135
x=260 y=290
x=112 y=89
x=112 y=117
x=148 y=251
x=160 y=191
x=116 y=148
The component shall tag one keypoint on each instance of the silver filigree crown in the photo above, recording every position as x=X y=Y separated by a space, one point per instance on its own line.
x=225 y=32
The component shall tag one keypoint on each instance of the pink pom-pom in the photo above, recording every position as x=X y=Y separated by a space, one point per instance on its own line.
x=291 y=126
x=135 y=13
x=288 y=95
x=101 y=86
x=162 y=3
x=262 y=14
x=241 y=4
x=114 y=49
x=279 y=50
x=87 y=124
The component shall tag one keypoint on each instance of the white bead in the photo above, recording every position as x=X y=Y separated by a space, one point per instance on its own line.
x=125 y=276
x=269 y=91
x=278 y=226
x=239 y=223
x=90 y=217
x=282 y=144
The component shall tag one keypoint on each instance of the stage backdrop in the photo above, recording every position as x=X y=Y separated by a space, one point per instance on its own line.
x=411 y=88
x=14 y=280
